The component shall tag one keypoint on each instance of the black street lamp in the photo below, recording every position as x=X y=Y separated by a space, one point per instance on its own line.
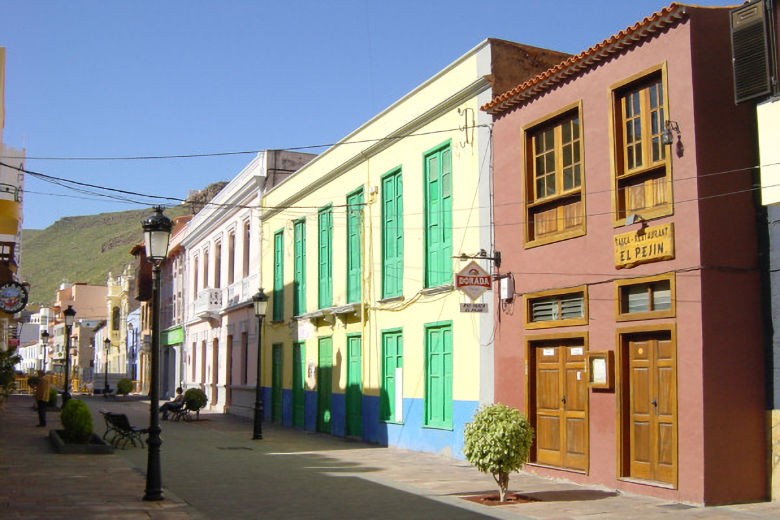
x=260 y=301
x=70 y=316
x=107 y=343
x=157 y=232
x=45 y=343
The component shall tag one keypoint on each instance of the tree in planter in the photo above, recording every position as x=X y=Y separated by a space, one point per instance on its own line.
x=77 y=421
x=8 y=359
x=53 y=397
x=195 y=399
x=124 y=386
x=498 y=442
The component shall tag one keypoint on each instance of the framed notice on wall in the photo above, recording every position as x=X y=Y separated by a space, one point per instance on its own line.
x=601 y=370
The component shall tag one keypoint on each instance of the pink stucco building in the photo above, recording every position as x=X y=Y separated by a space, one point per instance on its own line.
x=626 y=219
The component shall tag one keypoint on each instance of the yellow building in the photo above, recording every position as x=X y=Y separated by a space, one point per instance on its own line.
x=366 y=335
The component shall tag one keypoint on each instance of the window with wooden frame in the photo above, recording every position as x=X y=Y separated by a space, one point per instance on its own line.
x=557 y=308
x=555 y=208
x=645 y=298
x=642 y=163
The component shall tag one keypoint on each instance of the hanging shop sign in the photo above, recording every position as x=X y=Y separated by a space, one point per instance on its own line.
x=649 y=244
x=13 y=297
x=473 y=280
x=473 y=307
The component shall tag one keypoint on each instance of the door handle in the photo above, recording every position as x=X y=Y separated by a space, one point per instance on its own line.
x=654 y=403
x=563 y=400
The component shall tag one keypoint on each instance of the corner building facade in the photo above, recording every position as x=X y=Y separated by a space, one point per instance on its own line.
x=632 y=338
x=364 y=336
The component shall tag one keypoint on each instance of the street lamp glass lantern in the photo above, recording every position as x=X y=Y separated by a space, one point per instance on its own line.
x=70 y=315
x=45 y=337
x=107 y=344
x=157 y=231
x=260 y=301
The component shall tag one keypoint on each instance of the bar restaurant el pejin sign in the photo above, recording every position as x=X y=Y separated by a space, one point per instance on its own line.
x=650 y=244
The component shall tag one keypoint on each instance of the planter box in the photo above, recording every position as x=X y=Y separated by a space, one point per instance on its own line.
x=96 y=445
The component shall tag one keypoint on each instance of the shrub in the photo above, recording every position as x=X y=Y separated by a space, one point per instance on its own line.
x=195 y=399
x=77 y=421
x=53 y=397
x=498 y=442
x=124 y=386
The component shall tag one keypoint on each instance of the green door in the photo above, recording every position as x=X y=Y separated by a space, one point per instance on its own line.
x=324 y=384
x=438 y=376
x=354 y=386
x=276 y=384
x=392 y=384
x=298 y=378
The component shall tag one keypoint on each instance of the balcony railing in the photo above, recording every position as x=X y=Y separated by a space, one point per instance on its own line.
x=208 y=303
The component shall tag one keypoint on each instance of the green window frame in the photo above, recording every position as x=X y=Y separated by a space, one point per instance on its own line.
x=437 y=166
x=354 y=239
x=299 y=267
x=325 y=257
x=438 y=375
x=392 y=234
x=392 y=360
x=278 y=294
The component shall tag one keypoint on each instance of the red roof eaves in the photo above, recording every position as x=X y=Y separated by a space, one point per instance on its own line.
x=626 y=38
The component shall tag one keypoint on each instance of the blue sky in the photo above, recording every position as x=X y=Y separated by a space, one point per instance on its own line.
x=139 y=78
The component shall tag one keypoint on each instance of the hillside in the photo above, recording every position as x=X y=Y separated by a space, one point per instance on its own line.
x=80 y=249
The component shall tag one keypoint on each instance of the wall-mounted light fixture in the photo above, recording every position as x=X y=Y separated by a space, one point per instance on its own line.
x=635 y=218
x=482 y=255
x=667 y=137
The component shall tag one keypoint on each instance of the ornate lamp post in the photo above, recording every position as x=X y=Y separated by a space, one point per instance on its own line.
x=260 y=301
x=107 y=343
x=157 y=232
x=70 y=316
x=45 y=343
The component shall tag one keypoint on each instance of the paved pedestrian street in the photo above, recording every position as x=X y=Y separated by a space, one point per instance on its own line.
x=212 y=469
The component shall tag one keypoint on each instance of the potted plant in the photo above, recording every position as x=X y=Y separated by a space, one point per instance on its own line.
x=498 y=442
x=77 y=435
x=124 y=386
x=194 y=400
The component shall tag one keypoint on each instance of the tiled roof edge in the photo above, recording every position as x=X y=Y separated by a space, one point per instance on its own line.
x=632 y=35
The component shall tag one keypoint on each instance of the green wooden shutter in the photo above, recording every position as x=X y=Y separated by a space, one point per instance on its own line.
x=278 y=311
x=438 y=377
x=392 y=235
x=438 y=217
x=298 y=390
x=354 y=260
x=299 y=267
x=325 y=258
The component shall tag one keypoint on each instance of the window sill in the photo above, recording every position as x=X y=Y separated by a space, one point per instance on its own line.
x=439 y=289
x=392 y=299
x=434 y=427
x=559 y=237
x=385 y=421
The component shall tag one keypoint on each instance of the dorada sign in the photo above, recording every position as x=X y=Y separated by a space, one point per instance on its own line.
x=473 y=280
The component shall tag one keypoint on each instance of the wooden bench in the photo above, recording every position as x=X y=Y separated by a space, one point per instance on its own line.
x=119 y=428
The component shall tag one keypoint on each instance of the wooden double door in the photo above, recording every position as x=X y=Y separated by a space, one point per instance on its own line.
x=649 y=440
x=559 y=403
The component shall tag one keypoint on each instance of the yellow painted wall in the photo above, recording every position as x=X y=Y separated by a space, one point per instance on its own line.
x=302 y=201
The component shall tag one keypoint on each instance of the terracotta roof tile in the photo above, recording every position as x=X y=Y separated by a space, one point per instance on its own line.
x=629 y=37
